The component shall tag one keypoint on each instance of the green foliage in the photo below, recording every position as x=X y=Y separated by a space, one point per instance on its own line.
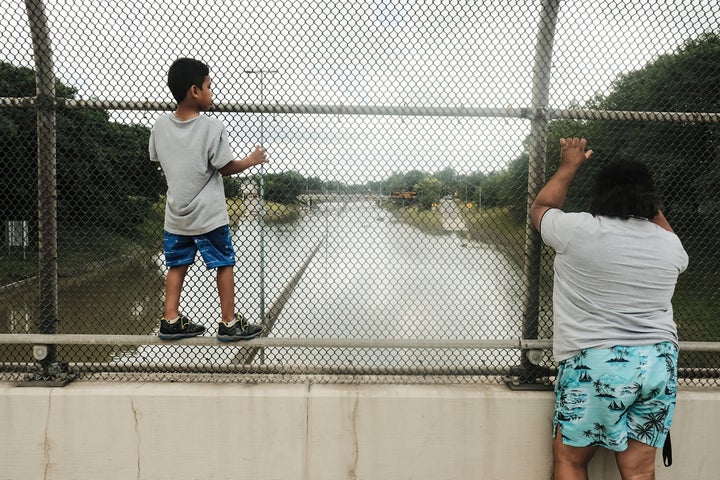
x=514 y=187
x=468 y=187
x=684 y=157
x=284 y=187
x=687 y=80
x=493 y=191
x=429 y=191
x=314 y=184
x=104 y=175
x=403 y=182
x=233 y=188
x=450 y=181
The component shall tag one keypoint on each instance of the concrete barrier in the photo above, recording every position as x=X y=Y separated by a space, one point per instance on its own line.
x=308 y=431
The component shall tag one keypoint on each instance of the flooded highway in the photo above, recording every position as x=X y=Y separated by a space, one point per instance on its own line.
x=368 y=275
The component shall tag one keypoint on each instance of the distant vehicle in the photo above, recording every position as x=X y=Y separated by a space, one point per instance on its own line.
x=404 y=195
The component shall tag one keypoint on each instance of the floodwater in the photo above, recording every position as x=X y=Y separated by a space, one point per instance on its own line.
x=372 y=277
x=376 y=277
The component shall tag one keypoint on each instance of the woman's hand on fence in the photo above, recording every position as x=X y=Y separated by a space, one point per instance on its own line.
x=573 y=153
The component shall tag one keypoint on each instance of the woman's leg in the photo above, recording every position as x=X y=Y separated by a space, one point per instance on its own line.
x=637 y=462
x=570 y=462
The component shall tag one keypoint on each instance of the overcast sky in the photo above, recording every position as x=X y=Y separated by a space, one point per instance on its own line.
x=359 y=52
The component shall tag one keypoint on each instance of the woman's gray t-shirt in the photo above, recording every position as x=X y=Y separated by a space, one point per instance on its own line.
x=614 y=280
x=190 y=153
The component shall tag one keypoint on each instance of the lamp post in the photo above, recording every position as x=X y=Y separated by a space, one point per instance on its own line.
x=262 y=72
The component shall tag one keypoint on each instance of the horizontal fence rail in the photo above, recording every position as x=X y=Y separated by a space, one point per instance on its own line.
x=420 y=343
x=526 y=113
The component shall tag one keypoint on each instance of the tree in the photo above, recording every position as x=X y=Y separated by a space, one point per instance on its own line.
x=232 y=187
x=493 y=190
x=429 y=191
x=403 y=182
x=515 y=188
x=314 y=184
x=104 y=175
x=284 y=187
x=469 y=186
x=684 y=156
x=449 y=179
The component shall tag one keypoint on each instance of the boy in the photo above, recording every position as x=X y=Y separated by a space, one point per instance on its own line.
x=194 y=154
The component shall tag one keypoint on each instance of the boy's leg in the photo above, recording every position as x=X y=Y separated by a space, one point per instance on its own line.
x=233 y=327
x=173 y=288
x=226 y=291
x=217 y=251
x=175 y=326
x=179 y=253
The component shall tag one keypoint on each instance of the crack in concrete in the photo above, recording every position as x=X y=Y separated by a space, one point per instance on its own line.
x=352 y=474
x=137 y=415
x=46 y=441
x=306 y=472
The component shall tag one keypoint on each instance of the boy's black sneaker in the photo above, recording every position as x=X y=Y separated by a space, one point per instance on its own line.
x=180 y=328
x=241 y=330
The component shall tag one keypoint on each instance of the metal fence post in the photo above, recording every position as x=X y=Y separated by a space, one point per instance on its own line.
x=46 y=355
x=536 y=176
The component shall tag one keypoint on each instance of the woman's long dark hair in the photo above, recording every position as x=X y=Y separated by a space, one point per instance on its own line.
x=624 y=189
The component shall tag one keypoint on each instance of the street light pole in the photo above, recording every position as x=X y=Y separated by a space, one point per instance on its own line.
x=262 y=73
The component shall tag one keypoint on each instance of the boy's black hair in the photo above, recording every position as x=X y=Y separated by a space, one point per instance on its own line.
x=624 y=189
x=183 y=74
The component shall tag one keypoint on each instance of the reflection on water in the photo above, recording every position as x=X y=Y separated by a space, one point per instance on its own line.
x=123 y=299
x=376 y=277
x=373 y=277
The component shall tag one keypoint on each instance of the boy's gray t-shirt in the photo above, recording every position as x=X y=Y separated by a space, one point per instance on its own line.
x=190 y=153
x=614 y=280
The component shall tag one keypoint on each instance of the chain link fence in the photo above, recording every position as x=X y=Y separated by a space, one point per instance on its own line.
x=388 y=236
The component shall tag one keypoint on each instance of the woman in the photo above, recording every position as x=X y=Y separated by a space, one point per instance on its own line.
x=614 y=335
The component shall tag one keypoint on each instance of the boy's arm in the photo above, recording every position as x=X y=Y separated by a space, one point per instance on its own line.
x=552 y=195
x=236 y=166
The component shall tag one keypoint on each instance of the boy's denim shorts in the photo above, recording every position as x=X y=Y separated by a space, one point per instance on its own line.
x=605 y=396
x=215 y=247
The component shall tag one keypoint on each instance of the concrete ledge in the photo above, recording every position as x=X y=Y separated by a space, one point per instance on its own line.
x=308 y=431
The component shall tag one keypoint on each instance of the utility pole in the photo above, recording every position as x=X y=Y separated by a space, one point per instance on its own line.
x=262 y=72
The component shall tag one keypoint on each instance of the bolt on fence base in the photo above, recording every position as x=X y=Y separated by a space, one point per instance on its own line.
x=532 y=375
x=57 y=374
x=48 y=371
x=521 y=383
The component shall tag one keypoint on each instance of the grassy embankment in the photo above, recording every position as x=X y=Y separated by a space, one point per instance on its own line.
x=428 y=221
x=696 y=300
x=491 y=226
x=280 y=213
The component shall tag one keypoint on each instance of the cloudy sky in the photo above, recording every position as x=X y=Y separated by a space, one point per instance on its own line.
x=359 y=52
